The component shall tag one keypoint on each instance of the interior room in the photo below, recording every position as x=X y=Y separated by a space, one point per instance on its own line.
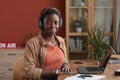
x=19 y=23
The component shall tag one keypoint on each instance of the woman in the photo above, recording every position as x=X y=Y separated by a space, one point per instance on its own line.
x=45 y=55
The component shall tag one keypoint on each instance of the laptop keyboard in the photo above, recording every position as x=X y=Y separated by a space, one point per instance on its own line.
x=92 y=68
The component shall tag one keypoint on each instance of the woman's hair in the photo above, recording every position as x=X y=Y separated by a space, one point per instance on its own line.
x=45 y=12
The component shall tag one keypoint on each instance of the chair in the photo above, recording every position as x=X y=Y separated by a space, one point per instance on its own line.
x=17 y=68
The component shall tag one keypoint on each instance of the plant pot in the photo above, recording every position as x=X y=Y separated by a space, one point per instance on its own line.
x=78 y=29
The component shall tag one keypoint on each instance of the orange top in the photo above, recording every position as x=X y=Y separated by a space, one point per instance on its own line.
x=54 y=57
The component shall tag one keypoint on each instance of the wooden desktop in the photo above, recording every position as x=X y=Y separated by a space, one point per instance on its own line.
x=109 y=71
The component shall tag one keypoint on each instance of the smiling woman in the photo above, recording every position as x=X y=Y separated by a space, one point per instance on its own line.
x=45 y=55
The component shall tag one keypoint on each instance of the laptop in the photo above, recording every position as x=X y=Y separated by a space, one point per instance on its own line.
x=98 y=69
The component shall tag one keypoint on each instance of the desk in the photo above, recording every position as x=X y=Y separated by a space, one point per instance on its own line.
x=109 y=71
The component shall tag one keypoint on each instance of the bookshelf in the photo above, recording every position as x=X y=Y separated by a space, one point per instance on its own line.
x=84 y=14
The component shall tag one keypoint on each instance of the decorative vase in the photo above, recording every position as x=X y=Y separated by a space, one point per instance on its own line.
x=78 y=29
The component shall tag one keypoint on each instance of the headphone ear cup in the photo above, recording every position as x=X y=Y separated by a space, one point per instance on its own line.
x=41 y=26
x=60 y=22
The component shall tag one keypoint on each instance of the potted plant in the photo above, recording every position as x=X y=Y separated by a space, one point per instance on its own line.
x=79 y=24
x=96 y=47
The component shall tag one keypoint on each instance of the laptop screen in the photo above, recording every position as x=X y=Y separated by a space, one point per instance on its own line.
x=104 y=60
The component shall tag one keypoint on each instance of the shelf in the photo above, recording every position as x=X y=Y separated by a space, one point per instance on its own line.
x=72 y=7
x=107 y=33
x=92 y=12
x=86 y=34
x=104 y=7
x=75 y=56
x=76 y=51
x=78 y=34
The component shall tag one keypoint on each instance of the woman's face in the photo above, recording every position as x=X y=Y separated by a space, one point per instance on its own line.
x=51 y=24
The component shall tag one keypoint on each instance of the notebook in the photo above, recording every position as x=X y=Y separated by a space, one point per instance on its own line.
x=98 y=69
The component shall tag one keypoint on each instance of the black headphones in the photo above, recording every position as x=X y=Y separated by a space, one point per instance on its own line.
x=45 y=12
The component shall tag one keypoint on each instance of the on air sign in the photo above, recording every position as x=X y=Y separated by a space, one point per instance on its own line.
x=8 y=45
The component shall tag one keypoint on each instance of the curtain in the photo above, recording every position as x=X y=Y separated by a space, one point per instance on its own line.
x=103 y=16
x=118 y=26
x=118 y=40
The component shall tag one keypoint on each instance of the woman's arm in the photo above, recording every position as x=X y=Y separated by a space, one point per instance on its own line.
x=31 y=68
x=65 y=67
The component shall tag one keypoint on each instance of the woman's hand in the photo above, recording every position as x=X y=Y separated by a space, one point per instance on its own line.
x=65 y=68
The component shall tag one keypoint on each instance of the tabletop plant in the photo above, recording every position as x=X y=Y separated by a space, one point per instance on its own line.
x=96 y=47
x=79 y=24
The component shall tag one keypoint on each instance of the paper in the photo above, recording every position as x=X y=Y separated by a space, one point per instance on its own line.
x=76 y=77
x=114 y=61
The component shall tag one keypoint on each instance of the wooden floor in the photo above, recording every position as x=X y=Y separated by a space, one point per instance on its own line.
x=7 y=59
